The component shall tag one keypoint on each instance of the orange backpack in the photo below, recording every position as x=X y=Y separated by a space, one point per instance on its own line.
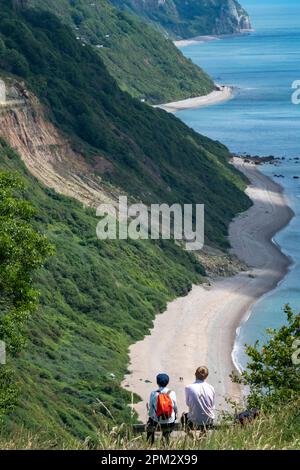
x=164 y=406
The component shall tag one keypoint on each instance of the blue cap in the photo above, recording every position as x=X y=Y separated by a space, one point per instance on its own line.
x=162 y=380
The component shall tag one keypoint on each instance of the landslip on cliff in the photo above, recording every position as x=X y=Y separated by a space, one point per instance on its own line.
x=46 y=152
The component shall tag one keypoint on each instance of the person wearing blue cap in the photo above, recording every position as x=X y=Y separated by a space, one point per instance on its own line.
x=162 y=409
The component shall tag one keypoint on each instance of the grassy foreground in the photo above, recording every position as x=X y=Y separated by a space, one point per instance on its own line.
x=278 y=430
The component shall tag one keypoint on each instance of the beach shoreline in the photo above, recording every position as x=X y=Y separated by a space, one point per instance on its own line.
x=221 y=94
x=201 y=327
x=198 y=39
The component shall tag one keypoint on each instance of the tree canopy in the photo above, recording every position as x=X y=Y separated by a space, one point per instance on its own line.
x=22 y=251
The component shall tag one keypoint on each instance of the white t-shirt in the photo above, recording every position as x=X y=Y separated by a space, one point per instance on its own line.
x=200 y=399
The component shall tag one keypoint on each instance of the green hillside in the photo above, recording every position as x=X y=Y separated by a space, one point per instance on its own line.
x=190 y=18
x=142 y=61
x=153 y=155
x=97 y=297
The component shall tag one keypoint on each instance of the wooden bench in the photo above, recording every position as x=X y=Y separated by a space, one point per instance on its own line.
x=141 y=428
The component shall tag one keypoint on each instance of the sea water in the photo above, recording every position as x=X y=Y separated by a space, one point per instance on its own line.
x=260 y=120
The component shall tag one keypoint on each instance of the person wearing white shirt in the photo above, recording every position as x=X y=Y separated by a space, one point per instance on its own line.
x=200 y=399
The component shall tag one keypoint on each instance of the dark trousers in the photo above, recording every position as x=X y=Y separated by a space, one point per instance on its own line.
x=188 y=425
x=153 y=426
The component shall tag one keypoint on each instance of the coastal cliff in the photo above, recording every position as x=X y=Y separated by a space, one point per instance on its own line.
x=232 y=19
x=184 y=19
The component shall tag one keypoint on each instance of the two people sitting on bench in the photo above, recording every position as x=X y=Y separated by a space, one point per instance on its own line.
x=200 y=400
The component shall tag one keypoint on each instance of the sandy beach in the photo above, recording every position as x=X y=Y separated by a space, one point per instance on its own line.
x=195 y=40
x=201 y=327
x=199 y=39
x=217 y=96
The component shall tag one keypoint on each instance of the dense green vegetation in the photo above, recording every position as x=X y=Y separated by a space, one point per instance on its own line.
x=153 y=155
x=273 y=372
x=95 y=299
x=190 y=18
x=142 y=61
x=22 y=251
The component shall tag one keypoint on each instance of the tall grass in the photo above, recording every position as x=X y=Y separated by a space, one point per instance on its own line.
x=278 y=430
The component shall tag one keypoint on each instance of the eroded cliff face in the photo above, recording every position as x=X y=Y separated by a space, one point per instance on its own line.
x=47 y=153
x=232 y=19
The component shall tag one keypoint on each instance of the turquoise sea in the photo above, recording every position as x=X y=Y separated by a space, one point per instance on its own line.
x=260 y=120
